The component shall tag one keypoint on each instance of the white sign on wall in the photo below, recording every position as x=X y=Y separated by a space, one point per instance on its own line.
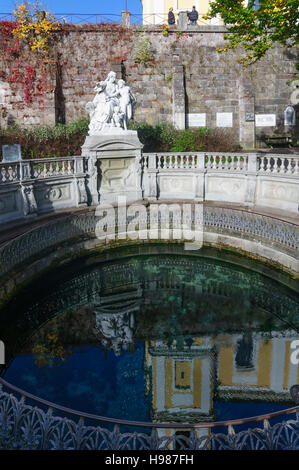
x=224 y=120
x=265 y=120
x=196 y=120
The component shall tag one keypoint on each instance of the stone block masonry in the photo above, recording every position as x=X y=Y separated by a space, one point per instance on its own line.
x=182 y=74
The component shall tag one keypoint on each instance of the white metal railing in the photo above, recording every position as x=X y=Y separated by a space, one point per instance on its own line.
x=30 y=427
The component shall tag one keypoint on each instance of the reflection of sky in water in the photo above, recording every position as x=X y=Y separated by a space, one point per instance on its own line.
x=87 y=382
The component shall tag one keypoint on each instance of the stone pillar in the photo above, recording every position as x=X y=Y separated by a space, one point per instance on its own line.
x=251 y=179
x=183 y=20
x=150 y=190
x=246 y=112
x=200 y=178
x=125 y=18
x=178 y=94
x=114 y=163
x=80 y=186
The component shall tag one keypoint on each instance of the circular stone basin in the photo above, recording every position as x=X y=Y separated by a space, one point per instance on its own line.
x=156 y=333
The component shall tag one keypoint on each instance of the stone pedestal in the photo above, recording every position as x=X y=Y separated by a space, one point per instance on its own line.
x=113 y=166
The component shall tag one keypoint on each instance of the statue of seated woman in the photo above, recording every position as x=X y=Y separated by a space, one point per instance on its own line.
x=112 y=106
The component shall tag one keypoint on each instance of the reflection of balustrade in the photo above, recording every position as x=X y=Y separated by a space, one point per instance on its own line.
x=24 y=426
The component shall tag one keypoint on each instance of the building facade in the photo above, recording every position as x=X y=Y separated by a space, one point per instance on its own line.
x=156 y=11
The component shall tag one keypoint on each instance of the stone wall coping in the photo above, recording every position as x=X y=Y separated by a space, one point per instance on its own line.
x=87 y=28
x=20 y=227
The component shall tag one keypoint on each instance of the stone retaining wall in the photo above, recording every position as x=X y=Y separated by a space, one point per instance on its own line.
x=185 y=76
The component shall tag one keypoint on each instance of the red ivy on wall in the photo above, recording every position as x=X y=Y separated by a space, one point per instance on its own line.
x=7 y=40
x=17 y=71
x=28 y=84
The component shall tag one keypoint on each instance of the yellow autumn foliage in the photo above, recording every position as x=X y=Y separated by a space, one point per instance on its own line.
x=34 y=25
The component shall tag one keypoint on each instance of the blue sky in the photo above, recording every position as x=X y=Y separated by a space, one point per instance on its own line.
x=77 y=6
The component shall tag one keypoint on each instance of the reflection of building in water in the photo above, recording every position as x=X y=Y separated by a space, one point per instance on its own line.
x=185 y=381
x=260 y=369
x=181 y=381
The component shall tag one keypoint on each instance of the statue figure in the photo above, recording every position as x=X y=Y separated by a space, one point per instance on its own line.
x=289 y=116
x=112 y=107
x=126 y=100
x=117 y=330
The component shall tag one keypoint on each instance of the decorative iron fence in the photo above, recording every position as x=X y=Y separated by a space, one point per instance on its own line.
x=45 y=425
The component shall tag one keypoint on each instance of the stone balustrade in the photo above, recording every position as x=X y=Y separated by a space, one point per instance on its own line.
x=250 y=179
x=9 y=172
x=30 y=187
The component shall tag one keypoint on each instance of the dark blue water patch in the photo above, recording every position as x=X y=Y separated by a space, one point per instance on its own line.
x=90 y=380
x=226 y=411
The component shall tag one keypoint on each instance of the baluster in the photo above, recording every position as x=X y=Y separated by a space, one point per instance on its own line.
x=229 y=162
x=224 y=162
x=15 y=172
x=175 y=161
x=214 y=165
x=69 y=168
x=275 y=166
x=296 y=167
x=238 y=164
x=193 y=161
x=9 y=171
x=165 y=162
x=167 y=159
x=268 y=165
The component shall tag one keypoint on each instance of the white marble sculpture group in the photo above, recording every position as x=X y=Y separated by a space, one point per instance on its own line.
x=112 y=107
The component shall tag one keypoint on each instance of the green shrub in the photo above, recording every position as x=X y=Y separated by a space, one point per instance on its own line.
x=157 y=138
x=47 y=141
x=189 y=140
x=66 y=139
x=165 y=138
